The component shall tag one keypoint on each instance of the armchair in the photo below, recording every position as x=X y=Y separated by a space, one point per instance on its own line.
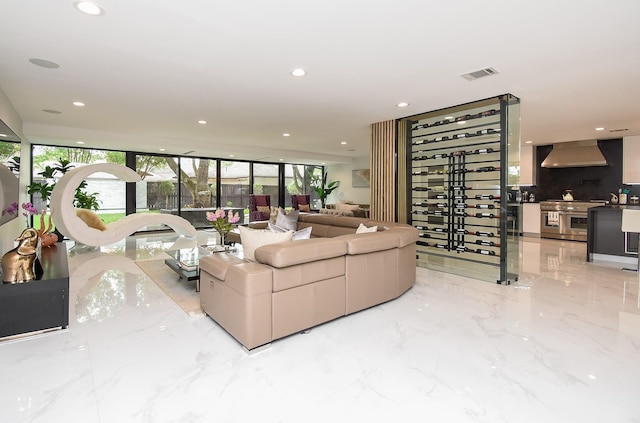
x=301 y=202
x=259 y=207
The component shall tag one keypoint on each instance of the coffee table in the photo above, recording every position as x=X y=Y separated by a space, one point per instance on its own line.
x=185 y=262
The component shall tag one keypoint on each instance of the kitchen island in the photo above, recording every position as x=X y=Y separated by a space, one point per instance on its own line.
x=605 y=239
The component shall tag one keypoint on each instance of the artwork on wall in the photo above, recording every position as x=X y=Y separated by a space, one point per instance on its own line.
x=360 y=178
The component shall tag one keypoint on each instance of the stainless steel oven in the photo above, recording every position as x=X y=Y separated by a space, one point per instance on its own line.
x=565 y=219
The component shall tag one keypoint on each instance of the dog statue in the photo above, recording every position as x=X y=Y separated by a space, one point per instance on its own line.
x=18 y=264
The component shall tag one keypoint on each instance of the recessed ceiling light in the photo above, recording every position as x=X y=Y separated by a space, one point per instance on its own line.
x=343 y=143
x=78 y=103
x=53 y=112
x=163 y=149
x=3 y=135
x=528 y=142
x=282 y=160
x=286 y=135
x=402 y=104
x=231 y=155
x=88 y=8
x=202 y=122
x=298 y=72
x=600 y=128
x=44 y=63
x=80 y=142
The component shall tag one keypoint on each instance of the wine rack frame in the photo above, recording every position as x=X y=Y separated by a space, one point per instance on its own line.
x=457 y=190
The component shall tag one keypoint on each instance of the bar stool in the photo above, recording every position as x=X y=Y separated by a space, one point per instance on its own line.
x=631 y=223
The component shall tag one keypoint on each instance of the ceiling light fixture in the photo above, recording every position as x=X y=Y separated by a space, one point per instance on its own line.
x=402 y=104
x=298 y=72
x=343 y=143
x=601 y=128
x=202 y=122
x=231 y=155
x=80 y=142
x=163 y=149
x=286 y=135
x=88 y=8
x=44 y=63
x=78 y=103
x=3 y=135
x=528 y=142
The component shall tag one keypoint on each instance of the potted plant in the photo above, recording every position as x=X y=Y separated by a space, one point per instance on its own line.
x=323 y=188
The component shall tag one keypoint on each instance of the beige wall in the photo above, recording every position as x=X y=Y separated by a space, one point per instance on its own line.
x=346 y=191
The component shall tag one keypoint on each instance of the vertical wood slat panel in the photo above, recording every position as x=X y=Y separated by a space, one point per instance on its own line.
x=383 y=175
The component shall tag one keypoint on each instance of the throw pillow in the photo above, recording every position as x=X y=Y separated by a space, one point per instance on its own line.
x=264 y=209
x=252 y=239
x=288 y=221
x=304 y=207
x=347 y=207
x=362 y=229
x=274 y=214
x=91 y=219
x=301 y=234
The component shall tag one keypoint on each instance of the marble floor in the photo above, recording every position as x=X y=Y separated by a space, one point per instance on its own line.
x=560 y=345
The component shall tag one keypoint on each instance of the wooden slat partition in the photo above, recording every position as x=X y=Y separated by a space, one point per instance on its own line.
x=383 y=170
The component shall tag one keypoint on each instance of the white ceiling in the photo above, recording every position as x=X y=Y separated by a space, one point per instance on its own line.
x=148 y=70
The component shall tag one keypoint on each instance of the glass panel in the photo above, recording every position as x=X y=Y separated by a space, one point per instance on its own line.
x=100 y=192
x=234 y=187
x=460 y=161
x=198 y=190
x=9 y=176
x=157 y=192
x=265 y=181
x=296 y=181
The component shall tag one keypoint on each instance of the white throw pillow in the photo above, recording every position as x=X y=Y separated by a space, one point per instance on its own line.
x=252 y=239
x=301 y=234
x=288 y=221
x=363 y=229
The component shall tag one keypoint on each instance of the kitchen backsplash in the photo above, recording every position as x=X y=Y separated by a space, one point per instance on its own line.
x=586 y=183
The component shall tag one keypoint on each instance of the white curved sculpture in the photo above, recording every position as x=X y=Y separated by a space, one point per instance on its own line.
x=65 y=218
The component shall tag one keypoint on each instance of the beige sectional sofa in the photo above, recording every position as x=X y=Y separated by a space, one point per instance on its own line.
x=295 y=285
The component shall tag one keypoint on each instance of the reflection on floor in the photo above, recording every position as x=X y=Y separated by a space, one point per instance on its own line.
x=560 y=345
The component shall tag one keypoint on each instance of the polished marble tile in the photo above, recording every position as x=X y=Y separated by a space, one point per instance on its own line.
x=560 y=345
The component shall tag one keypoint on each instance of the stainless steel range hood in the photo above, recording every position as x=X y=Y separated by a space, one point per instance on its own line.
x=575 y=154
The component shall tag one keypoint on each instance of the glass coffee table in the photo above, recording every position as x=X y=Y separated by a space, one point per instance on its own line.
x=185 y=262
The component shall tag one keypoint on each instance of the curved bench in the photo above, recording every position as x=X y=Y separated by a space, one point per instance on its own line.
x=66 y=220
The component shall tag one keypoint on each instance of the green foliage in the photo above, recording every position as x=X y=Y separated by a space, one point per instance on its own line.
x=51 y=175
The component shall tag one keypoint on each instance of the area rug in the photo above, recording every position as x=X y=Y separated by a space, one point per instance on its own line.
x=181 y=291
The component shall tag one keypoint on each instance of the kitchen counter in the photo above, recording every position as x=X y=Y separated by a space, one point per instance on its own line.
x=605 y=239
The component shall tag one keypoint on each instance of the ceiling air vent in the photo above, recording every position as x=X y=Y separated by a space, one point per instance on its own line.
x=472 y=76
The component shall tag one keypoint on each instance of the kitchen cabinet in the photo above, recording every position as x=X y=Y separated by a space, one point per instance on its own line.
x=605 y=239
x=531 y=219
x=631 y=160
x=527 y=165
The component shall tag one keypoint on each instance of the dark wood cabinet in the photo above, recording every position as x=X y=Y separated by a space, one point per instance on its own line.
x=40 y=304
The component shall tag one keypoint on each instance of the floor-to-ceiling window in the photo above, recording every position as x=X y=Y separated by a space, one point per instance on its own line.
x=234 y=187
x=185 y=186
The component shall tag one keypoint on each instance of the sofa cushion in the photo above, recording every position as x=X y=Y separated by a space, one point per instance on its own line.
x=367 y=243
x=292 y=253
x=251 y=239
x=304 y=207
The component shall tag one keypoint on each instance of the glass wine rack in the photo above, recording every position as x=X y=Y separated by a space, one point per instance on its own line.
x=461 y=198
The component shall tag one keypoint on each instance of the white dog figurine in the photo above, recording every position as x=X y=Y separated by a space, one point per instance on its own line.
x=18 y=264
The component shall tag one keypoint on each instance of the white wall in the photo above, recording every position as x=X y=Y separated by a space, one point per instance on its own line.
x=10 y=230
x=346 y=191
